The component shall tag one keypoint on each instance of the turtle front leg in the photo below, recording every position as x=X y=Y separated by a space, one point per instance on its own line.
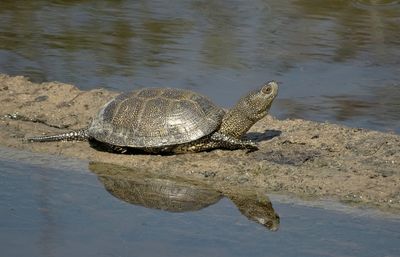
x=215 y=141
x=232 y=143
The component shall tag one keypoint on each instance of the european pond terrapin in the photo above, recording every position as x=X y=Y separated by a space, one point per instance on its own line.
x=167 y=120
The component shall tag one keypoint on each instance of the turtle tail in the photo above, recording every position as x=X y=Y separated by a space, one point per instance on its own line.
x=76 y=135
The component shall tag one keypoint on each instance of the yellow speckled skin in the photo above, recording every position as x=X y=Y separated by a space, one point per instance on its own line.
x=250 y=109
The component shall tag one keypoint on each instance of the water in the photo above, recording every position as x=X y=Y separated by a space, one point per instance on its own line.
x=47 y=209
x=336 y=61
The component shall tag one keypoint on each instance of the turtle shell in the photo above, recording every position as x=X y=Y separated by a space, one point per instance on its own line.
x=155 y=117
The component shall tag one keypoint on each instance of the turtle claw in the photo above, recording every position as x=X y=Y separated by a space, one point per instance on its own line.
x=251 y=146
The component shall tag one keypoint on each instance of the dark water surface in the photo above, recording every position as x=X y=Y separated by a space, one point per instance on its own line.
x=47 y=209
x=337 y=60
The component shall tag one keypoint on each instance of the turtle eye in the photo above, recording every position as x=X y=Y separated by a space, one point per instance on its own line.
x=266 y=90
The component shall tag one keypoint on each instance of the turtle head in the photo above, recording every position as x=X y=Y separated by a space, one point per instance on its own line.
x=257 y=103
x=250 y=109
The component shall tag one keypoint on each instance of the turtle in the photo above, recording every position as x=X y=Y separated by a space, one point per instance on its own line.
x=171 y=120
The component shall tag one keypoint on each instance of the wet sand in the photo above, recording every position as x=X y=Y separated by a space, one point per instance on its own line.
x=299 y=157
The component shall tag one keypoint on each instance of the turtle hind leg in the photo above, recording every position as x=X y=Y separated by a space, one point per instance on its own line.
x=216 y=141
x=76 y=135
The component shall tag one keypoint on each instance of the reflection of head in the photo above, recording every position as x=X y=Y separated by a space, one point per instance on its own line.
x=257 y=207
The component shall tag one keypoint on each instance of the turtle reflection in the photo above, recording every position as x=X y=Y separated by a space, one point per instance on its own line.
x=175 y=194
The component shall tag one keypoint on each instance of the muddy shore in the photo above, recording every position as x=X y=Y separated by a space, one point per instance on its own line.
x=299 y=157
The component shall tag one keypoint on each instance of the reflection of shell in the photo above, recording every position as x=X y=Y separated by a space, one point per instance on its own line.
x=169 y=194
x=164 y=194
